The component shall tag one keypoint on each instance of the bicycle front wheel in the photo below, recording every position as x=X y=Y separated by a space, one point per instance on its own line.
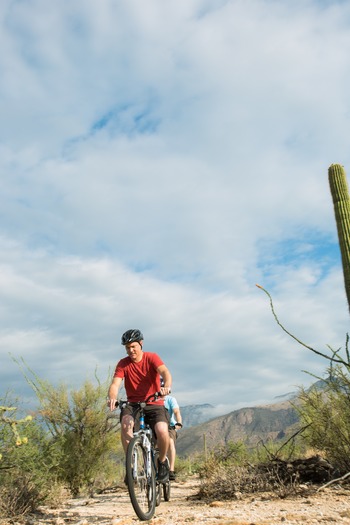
x=141 y=480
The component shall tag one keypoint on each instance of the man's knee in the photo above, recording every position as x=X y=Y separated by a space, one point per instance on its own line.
x=127 y=424
x=161 y=429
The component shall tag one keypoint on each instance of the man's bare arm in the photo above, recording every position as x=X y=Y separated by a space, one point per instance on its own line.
x=113 y=392
x=178 y=416
x=166 y=375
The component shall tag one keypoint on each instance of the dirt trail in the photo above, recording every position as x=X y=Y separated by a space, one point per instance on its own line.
x=331 y=506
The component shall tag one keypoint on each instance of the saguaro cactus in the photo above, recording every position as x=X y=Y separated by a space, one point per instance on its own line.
x=341 y=201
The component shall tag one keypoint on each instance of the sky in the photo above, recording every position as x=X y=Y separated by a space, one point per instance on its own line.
x=160 y=158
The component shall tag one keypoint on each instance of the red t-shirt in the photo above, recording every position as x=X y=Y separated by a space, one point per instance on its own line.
x=140 y=379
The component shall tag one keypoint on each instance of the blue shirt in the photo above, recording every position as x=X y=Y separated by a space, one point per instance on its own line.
x=170 y=404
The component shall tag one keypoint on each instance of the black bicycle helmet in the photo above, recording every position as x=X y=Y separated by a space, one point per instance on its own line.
x=131 y=336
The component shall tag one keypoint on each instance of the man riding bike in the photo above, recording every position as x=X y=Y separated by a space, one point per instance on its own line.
x=141 y=373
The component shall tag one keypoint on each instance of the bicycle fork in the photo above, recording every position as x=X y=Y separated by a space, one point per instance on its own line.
x=146 y=448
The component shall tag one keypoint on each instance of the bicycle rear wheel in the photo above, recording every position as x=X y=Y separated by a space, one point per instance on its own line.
x=166 y=487
x=158 y=485
x=141 y=486
x=158 y=494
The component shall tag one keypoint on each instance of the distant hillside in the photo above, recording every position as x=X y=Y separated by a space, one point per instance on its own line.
x=249 y=425
x=275 y=421
x=196 y=414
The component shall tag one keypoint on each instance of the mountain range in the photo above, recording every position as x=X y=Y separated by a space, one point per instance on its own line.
x=193 y=415
x=249 y=425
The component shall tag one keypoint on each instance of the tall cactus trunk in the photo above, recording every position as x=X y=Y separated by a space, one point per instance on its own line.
x=341 y=201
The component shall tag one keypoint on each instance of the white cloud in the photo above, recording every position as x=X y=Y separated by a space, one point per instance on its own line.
x=156 y=163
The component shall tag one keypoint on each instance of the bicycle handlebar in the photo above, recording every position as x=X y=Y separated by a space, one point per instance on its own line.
x=152 y=396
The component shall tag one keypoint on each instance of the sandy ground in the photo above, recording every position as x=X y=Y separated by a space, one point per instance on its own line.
x=331 y=505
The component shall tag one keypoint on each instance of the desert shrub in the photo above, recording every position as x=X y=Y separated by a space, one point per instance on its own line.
x=85 y=434
x=232 y=469
x=71 y=443
x=27 y=468
x=221 y=457
x=325 y=412
x=189 y=465
x=326 y=416
x=83 y=431
x=225 y=482
x=238 y=453
x=277 y=476
x=291 y=448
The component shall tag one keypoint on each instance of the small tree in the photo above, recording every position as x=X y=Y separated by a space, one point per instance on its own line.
x=88 y=438
x=85 y=433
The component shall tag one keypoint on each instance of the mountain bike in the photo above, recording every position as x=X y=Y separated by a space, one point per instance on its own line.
x=141 y=467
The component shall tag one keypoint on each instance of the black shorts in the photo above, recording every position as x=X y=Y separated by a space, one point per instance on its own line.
x=153 y=414
x=173 y=433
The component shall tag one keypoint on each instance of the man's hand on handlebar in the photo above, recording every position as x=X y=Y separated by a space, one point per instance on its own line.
x=165 y=390
x=112 y=403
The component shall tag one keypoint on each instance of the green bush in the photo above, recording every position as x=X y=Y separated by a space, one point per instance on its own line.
x=27 y=468
x=71 y=443
x=86 y=435
x=326 y=416
x=82 y=429
x=232 y=469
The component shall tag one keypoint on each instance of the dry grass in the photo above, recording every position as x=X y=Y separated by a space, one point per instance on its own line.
x=23 y=497
x=18 y=498
x=227 y=483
